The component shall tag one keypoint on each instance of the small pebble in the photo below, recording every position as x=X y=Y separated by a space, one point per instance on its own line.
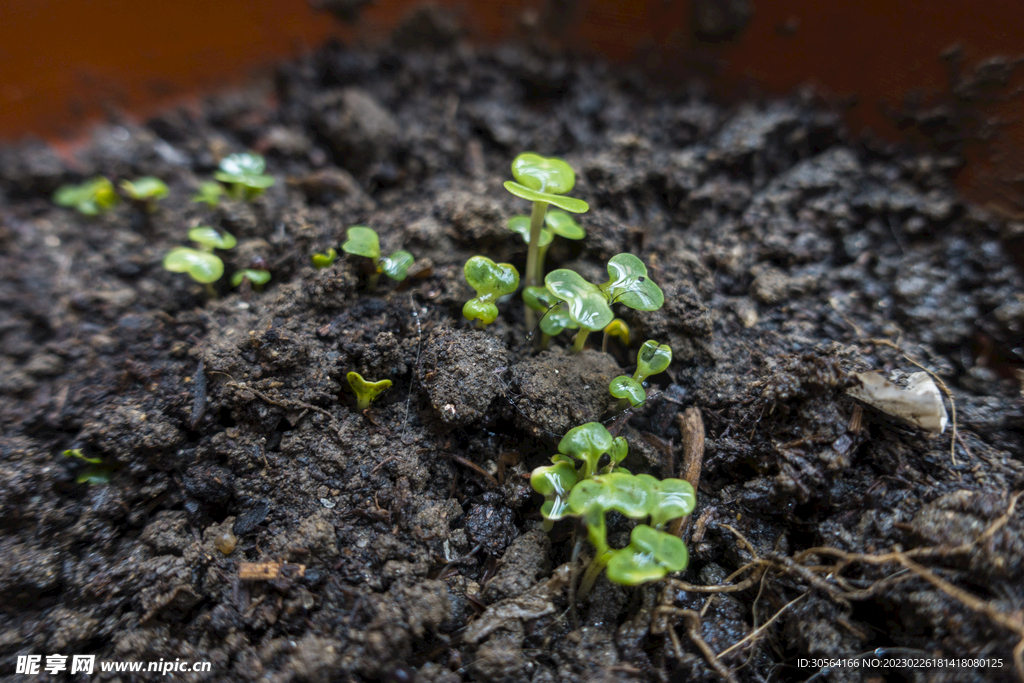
x=226 y=542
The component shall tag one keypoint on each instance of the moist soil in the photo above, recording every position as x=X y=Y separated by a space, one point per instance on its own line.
x=403 y=542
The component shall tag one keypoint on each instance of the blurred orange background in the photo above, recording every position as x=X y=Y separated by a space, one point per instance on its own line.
x=64 y=65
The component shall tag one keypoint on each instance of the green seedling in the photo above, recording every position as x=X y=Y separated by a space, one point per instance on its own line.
x=652 y=359
x=201 y=264
x=209 y=194
x=554 y=482
x=97 y=473
x=554 y=319
x=363 y=241
x=257 y=277
x=145 y=191
x=244 y=176
x=555 y=223
x=543 y=181
x=616 y=328
x=92 y=197
x=324 y=260
x=366 y=392
x=589 y=305
x=491 y=281
x=652 y=553
x=589 y=443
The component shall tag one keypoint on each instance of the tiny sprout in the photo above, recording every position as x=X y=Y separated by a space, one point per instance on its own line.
x=91 y=197
x=77 y=453
x=363 y=241
x=554 y=319
x=146 y=191
x=366 y=392
x=201 y=264
x=616 y=328
x=491 y=281
x=543 y=181
x=256 y=276
x=97 y=473
x=324 y=260
x=652 y=359
x=555 y=223
x=243 y=174
x=209 y=194
x=589 y=305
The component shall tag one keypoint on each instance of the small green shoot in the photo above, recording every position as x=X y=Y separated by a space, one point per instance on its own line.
x=324 y=260
x=589 y=305
x=491 y=281
x=244 y=176
x=201 y=264
x=363 y=241
x=555 y=223
x=652 y=359
x=257 y=277
x=543 y=181
x=91 y=198
x=145 y=191
x=616 y=328
x=209 y=194
x=98 y=472
x=366 y=392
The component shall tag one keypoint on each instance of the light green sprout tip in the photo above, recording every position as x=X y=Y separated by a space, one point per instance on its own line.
x=491 y=281
x=366 y=392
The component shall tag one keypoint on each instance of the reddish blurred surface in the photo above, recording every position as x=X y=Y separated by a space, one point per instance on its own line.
x=65 y=64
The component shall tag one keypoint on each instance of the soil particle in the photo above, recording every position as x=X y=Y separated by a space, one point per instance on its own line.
x=460 y=371
x=556 y=392
x=522 y=565
x=316 y=659
x=359 y=130
x=491 y=524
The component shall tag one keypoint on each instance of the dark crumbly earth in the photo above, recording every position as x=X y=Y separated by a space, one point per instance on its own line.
x=404 y=541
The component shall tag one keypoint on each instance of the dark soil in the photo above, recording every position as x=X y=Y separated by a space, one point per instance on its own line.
x=784 y=245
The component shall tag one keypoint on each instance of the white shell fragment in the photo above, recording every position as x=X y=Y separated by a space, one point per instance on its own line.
x=920 y=404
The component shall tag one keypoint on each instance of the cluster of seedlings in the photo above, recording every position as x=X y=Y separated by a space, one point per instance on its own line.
x=585 y=479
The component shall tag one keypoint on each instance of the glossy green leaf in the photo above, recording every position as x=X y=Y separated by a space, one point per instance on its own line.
x=650 y=555
x=543 y=174
x=588 y=442
x=564 y=225
x=628 y=284
x=567 y=203
x=627 y=494
x=674 y=499
x=397 y=265
x=521 y=226
x=145 y=188
x=362 y=241
x=586 y=303
x=554 y=482
x=211 y=239
x=625 y=387
x=366 y=392
x=201 y=265
x=256 y=276
x=324 y=260
x=77 y=453
x=491 y=281
x=652 y=359
x=94 y=476
x=244 y=169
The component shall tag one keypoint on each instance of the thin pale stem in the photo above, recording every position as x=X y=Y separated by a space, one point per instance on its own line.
x=536 y=223
x=581 y=340
x=590 y=576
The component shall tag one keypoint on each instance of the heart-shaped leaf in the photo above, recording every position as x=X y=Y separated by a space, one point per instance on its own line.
x=629 y=495
x=145 y=188
x=554 y=483
x=625 y=387
x=362 y=241
x=628 y=284
x=587 y=304
x=588 y=442
x=366 y=392
x=243 y=164
x=211 y=239
x=397 y=265
x=652 y=359
x=201 y=265
x=564 y=225
x=257 y=276
x=543 y=174
x=491 y=281
x=555 y=318
x=650 y=555
x=674 y=499
x=521 y=226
